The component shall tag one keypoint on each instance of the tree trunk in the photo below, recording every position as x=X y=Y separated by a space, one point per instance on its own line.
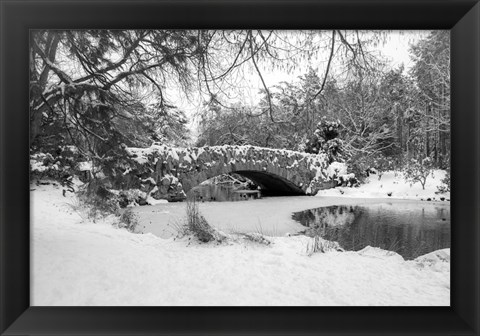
x=399 y=114
x=35 y=125
x=427 y=133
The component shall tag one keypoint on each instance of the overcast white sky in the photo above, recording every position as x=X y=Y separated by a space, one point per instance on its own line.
x=398 y=44
x=396 y=49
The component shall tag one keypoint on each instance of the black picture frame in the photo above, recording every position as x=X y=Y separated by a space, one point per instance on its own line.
x=462 y=17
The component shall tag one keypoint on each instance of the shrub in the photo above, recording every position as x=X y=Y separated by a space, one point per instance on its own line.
x=359 y=168
x=94 y=201
x=348 y=180
x=45 y=165
x=54 y=163
x=445 y=186
x=325 y=139
x=129 y=220
x=99 y=200
x=418 y=171
x=131 y=197
x=383 y=163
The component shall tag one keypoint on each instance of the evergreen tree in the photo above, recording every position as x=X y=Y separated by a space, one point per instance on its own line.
x=325 y=140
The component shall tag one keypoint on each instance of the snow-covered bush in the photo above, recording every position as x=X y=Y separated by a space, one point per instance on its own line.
x=128 y=220
x=131 y=197
x=337 y=171
x=347 y=180
x=445 y=186
x=45 y=165
x=334 y=149
x=56 y=164
x=418 y=171
x=325 y=139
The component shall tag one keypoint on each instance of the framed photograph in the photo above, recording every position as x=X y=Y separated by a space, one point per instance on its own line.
x=232 y=167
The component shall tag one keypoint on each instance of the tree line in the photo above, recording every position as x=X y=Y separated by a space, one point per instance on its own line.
x=377 y=117
x=99 y=90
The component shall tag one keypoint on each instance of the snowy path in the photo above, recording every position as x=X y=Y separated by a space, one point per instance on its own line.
x=75 y=263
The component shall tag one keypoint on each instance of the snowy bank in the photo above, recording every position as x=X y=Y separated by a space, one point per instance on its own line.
x=392 y=185
x=79 y=263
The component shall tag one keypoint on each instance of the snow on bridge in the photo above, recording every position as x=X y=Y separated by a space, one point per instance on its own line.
x=168 y=173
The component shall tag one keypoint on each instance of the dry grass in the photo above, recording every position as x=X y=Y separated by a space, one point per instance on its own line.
x=79 y=208
x=196 y=225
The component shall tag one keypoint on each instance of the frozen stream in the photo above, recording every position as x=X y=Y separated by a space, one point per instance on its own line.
x=271 y=215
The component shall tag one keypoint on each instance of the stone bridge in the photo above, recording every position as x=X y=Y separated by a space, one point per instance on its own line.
x=169 y=173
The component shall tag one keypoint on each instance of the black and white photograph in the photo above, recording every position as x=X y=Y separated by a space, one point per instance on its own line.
x=239 y=167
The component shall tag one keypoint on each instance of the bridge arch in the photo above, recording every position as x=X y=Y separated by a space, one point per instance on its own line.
x=272 y=184
x=278 y=171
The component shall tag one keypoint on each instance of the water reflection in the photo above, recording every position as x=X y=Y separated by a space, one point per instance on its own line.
x=410 y=229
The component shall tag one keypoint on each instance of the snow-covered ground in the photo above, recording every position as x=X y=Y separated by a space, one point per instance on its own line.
x=76 y=262
x=392 y=185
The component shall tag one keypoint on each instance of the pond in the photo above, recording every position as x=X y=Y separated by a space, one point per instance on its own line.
x=410 y=228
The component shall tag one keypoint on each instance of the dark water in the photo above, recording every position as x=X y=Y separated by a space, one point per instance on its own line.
x=411 y=229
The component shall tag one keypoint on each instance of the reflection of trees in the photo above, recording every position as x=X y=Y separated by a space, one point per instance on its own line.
x=326 y=218
x=353 y=227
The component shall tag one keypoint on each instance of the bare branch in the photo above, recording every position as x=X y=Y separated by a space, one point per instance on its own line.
x=269 y=99
x=332 y=48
